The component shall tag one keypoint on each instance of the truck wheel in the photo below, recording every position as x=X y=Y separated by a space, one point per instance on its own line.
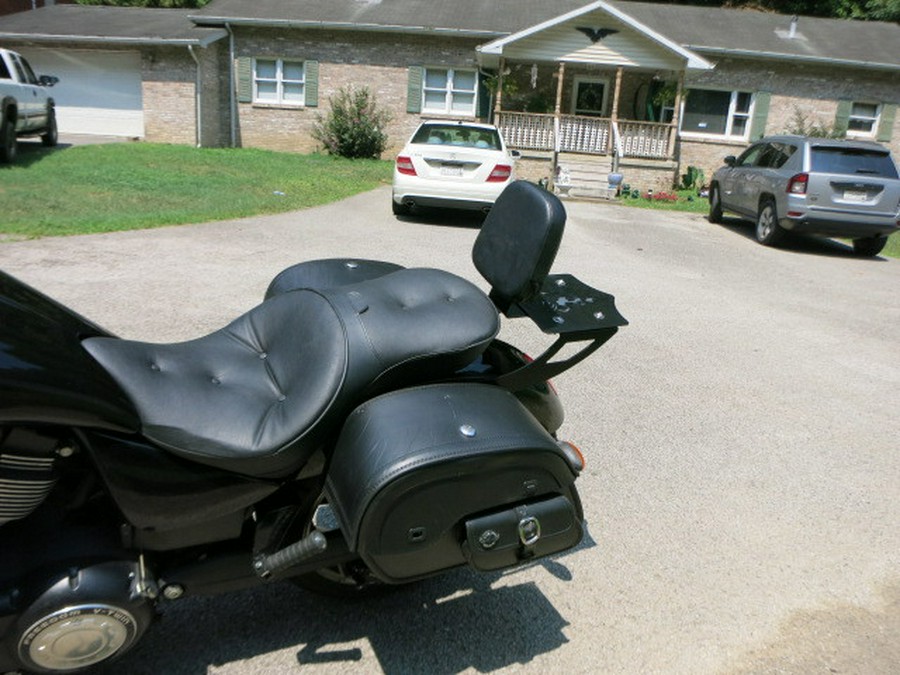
x=8 y=144
x=51 y=137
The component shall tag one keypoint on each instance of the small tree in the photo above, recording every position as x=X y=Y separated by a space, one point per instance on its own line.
x=801 y=126
x=354 y=127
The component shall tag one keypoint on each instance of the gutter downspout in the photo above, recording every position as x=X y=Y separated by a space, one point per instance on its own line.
x=198 y=101
x=232 y=96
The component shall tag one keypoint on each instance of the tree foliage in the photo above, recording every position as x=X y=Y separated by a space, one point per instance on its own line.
x=870 y=10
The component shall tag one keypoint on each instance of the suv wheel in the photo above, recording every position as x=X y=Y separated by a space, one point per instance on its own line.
x=870 y=246
x=768 y=231
x=715 y=205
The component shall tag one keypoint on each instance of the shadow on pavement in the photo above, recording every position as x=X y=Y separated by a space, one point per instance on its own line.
x=800 y=243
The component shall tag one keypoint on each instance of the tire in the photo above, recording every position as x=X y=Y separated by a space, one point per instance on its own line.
x=870 y=246
x=400 y=209
x=8 y=144
x=51 y=136
x=768 y=231
x=715 y=205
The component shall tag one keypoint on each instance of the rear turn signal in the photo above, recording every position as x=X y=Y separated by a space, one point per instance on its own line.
x=797 y=184
x=573 y=455
x=405 y=166
x=501 y=173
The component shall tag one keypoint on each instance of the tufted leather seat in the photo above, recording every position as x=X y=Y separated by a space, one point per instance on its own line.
x=258 y=396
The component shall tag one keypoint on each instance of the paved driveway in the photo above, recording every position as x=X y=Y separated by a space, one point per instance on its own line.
x=743 y=482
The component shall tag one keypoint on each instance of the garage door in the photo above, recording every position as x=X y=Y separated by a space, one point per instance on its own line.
x=99 y=92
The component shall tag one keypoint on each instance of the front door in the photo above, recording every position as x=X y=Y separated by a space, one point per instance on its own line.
x=589 y=96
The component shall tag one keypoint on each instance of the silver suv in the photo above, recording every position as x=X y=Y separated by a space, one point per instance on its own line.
x=811 y=185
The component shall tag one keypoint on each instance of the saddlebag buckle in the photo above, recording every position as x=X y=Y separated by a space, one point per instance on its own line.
x=517 y=534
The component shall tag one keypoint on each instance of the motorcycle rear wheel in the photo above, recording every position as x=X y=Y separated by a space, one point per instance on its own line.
x=347 y=580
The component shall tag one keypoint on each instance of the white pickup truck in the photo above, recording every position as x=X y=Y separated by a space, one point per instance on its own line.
x=26 y=107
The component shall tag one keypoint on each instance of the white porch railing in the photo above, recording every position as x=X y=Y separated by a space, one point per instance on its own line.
x=580 y=134
x=645 y=139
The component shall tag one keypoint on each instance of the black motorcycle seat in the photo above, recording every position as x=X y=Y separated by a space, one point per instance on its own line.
x=328 y=273
x=258 y=396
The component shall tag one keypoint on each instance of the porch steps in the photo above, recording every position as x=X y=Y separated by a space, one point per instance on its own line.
x=584 y=177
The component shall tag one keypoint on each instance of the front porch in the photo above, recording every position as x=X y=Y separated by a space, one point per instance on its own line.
x=591 y=88
x=587 y=135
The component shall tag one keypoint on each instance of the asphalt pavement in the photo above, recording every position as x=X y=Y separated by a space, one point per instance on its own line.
x=743 y=482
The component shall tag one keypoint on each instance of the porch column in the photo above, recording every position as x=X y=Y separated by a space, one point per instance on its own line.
x=614 y=117
x=676 y=115
x=498 y=102
x=560 y=74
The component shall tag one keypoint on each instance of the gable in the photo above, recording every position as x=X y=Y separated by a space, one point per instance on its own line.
x=573 y=41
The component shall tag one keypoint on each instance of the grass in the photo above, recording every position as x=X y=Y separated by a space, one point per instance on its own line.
x=690 y=201
x=123 y=186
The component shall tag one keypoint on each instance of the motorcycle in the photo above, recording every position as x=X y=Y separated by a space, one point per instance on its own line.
x=362 y=426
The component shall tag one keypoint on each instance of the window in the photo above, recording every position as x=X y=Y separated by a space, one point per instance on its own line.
x=450 y=91
x=278 y=81
x=717 y=113
x=858 y=161
x=588 y=96
x=863 y=119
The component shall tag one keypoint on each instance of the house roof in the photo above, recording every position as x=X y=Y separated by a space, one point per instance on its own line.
x=764 y=35
x=107 y=25
x=707 y=31
x=474 y=18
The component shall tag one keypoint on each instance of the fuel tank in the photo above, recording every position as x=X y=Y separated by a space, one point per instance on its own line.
x=45 y=374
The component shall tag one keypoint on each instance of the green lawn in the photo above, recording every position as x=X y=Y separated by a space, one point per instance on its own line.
x=688 y=200
x=122 y=186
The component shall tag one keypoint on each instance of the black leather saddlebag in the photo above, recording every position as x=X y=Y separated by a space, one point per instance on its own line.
x=430 y=478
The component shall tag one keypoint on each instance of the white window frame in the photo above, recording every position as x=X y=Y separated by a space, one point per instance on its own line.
x=729 y=121
x=280 y=80
x=857 y=133
x=449 y=89
x=590 y=80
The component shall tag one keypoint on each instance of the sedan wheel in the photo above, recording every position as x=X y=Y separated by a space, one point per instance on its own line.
x=768 y=231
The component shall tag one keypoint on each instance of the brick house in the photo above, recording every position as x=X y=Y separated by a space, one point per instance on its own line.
x=648 y=89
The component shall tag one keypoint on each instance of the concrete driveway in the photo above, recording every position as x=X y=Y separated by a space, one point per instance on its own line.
x=743 y=482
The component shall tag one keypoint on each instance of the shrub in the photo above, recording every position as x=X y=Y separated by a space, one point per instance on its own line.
x=801 y=126
x=354 y=127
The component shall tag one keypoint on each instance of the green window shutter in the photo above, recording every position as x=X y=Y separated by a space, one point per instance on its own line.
x=886 y=122
x=484 y=99
x=842 y=116
x=244 y=79
x=414 y=89
x=760 y=115
x=311 y=90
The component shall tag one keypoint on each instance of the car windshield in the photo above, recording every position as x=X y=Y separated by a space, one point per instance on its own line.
x=826 y=159
x=457 y=135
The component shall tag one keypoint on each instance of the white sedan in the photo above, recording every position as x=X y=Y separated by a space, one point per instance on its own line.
x=458 y=165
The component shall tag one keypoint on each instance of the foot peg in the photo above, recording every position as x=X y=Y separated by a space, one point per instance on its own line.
x=265 y=565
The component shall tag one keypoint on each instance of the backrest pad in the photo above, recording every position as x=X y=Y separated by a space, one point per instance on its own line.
x=518 y=242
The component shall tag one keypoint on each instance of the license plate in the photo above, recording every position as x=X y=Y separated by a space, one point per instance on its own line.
x=450 y=170
x=855 y=195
